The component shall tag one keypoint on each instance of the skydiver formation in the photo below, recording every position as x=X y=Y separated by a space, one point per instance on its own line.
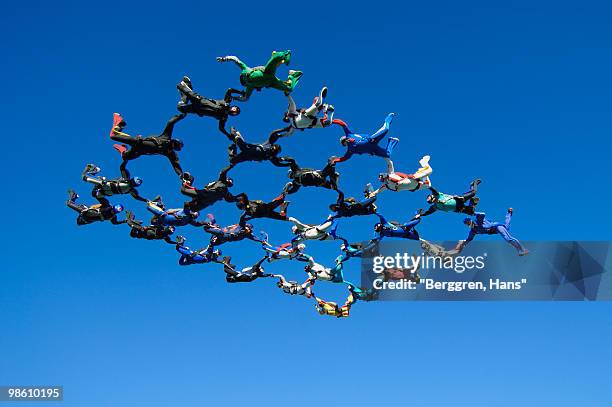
x=319 y=114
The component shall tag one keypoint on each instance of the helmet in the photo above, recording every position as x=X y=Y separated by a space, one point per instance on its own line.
x=194 y=214
x=117 y=208
x=229 y=182
x=301 y=247
x=234 y=111
x=177 y=144
x=187 y=177
x=136 y=181
x=171 y=229
x=294 y=229
x=467 y=221
x=378 y=227
x=431 y=198
x=344 y=140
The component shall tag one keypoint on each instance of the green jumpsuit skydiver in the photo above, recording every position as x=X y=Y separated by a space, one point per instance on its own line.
x=264 y=76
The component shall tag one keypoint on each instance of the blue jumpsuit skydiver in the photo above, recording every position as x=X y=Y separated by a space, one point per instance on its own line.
x=393 y=229
x=172 y=217
x=483 y=226
x=364 y=143
x=189 y=256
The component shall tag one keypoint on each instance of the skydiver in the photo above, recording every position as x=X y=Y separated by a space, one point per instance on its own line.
x=394 y=229
x=171 y=217
x=398 y=181
x=95 y=213
x=285 y=251
x=351 y=207
x=320 y=272
x=211 y=193
x=301 y=119
x=189 y=256
x=293 y=287
x=465 y=203
x=435 y=250
x=303 y=231
x=264 y=76
x=261 y=209
x=162 y=144
x=358 y=293
x=333 y=309
x=308 y=177
x=351 y=250
x=192 y=102
x=241 y=151
x=483 y=226
x=108 y=187
x=232 y=233
x=365 y=143
x=152 y=232
x=246 y=275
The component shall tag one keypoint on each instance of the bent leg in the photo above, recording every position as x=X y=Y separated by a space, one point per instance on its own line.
x=76 y=207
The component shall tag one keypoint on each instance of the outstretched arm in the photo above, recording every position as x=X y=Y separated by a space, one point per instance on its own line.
x=136 y=195
x=116 y=221
x=297 y=223
x=292 y=108
x=255 y=238
x=222 y=129
x=345 y=157
x=229 y=95
x=377 y=191
x=344 y=126
x=429 y=211
x=233 y=59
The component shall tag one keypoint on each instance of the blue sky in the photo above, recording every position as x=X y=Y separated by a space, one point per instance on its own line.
x=517 y=95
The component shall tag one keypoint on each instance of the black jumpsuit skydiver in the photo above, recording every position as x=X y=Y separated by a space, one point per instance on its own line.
x=241 y=151
x=211 y=193
x=233 y=276
x=94 y=213
x=163 y=144
x=308 y=177
x=192 y=102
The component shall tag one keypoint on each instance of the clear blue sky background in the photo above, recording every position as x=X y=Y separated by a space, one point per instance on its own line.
x=517 y=95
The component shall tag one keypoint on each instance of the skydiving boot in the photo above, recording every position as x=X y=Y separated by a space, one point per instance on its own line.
x=118 y=124
x=121 y=148
x=320 y=100
x=184 y=87
x=72 y=196
x=90 y=169
x=294 y=78
x=328 y=117
x=283 y=208
x=425 y=170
